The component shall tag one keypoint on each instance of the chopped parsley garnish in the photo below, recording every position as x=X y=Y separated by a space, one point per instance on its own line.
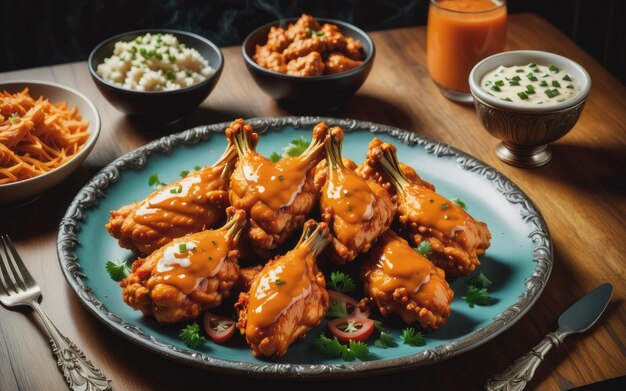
x=190 y=335
x=332 y=348
x=567 y=78
x=412 y=337
x=341 y=282
x=530 y=90
x=297 y=146
x=522 y=95
x=424 y=248
x=499 y=83
x=183 y=173
x=154 y=181
x=460 y=203
x=385 y=340
x=118 y=270
x=554 y=68
x=556 y=84
x=310 y=32
x=495 y=88
x=279 y=281
x=543 y=83
x=476 y=295
x=531 y=76
x=516 y=78
x=182 y=247
x=197 y=168
x=570 y=86
x=274 y=157
x=176 y=189
x=507 y=99
x=514 y=83
x=520 y=70
x=532 y=65
x=480 y=281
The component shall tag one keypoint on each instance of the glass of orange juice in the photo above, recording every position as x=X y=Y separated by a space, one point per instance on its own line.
x=460 y=33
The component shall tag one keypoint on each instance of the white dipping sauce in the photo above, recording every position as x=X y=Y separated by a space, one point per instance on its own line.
x=531 y=84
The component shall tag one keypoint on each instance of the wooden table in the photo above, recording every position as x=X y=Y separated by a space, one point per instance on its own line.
x=581 y=194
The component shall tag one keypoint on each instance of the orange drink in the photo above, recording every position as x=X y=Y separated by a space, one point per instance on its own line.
x=459 y=34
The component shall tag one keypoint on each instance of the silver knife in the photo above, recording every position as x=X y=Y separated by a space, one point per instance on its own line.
x=576 y=319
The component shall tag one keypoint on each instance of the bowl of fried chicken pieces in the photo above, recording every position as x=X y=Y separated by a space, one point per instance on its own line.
x=248 y=206
x=309 y=62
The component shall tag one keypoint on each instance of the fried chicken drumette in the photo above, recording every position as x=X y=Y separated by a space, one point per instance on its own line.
x=456 y=239
x=400 y=280
x=287 y=297
x=370 y=171
x=188 y=275
x=357 y=211
x=187 y=205
x=277 y=197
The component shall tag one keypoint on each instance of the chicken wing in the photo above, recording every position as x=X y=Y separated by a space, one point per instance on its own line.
x=357 y=211
x=277 y=197
x=400 y=280
x=338 y=62
x=188 y=205
x=310 y=65
x=188 y=275
x=287 y=298
x=370 y=171
x=456 y=239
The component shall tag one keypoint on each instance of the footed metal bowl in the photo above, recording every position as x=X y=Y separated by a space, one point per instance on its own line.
x=526 y=131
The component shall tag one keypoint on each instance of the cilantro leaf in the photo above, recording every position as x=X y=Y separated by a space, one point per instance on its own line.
x=274 y=157
x=385 y=340
x=190 y=335
x=330 y=348
x=480 y=281
x=154 y=181
x=424 y=248
x=476 y=295
x=118 y=270
x=197 y=168
x=337 y=309
x=297 y=146
x=412 y=337
x=341 y=282
x=184 y=173
x=460 y=203
x=359 y=349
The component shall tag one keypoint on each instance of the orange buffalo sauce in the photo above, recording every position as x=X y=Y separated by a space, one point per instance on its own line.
x=187 y=261
x=277 y=287
x=435 y=211
x=350 y=198
x=182 y=199
x=275 y=184
x=403 y=267
x=459 y=34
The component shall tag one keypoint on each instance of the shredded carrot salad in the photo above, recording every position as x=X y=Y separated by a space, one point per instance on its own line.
x=36 y=136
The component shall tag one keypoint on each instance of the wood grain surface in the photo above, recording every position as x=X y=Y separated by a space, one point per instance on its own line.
x=581 y=194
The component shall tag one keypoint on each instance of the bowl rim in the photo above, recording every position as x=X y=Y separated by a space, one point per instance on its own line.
x=217 y=67
x=369 y=57
x=85 y=150
x=482 y=96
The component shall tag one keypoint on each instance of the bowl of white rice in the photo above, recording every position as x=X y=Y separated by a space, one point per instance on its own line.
x=156 y=76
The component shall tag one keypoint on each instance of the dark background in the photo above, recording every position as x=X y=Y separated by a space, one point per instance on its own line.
x=35 y=33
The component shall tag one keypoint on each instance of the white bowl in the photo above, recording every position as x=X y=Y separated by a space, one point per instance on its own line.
x=25 y=190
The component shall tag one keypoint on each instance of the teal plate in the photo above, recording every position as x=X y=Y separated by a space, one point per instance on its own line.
x=519 y=260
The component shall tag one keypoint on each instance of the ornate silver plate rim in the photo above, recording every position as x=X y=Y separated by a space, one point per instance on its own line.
x=96 y=189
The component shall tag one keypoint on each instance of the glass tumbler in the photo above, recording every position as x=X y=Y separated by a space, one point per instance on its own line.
x=460 y=33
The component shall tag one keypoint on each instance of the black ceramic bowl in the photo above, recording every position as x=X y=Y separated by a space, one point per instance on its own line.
x=327 y=91
x=157 y=107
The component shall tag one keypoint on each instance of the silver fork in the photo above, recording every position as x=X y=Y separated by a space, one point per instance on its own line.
x=17 y=287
